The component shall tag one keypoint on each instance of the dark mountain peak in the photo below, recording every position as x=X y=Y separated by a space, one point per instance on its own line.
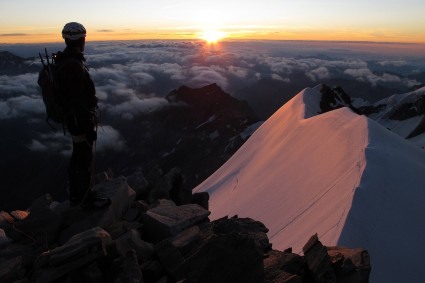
x=334 y=98
x=11 y=64
x=204 y=95
x=211 y=101
x=6 y=55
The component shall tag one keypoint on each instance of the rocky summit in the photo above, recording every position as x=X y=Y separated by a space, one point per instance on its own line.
x=151 y=239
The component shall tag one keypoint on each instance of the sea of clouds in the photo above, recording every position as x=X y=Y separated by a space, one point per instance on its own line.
x=133 y=77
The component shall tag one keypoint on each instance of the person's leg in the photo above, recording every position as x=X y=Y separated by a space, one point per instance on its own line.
x=80 y=172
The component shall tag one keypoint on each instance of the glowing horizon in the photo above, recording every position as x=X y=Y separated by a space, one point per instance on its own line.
x=377 y=21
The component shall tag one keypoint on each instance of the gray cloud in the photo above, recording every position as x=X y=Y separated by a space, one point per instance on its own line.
x=21 y=106
x=25 y=84
x=136 y=106
x=108 y=139
x=366 y=75
x=395 y=63
x=202 y=75
x=318 y=74
x=128 y=74
x=279 y=78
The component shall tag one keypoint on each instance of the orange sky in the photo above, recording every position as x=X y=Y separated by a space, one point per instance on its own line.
x=27 y=21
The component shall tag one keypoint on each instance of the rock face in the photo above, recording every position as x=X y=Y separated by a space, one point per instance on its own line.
x=212 y=105
x=402 y=113
x=334 y=98
x=159 y=242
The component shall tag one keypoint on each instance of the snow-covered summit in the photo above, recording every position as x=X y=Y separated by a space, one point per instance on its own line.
x=338 y=174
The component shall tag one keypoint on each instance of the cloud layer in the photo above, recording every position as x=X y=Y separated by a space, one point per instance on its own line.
x=132 y=78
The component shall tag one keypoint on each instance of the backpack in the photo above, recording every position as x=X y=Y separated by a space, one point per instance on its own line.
x=50 y=90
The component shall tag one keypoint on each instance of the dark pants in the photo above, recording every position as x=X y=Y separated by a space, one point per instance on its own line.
x=79 y=171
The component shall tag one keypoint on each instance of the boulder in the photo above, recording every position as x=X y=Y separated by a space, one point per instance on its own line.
x=120 y=228
x=351 y=265
x=252 y=228
x=202 y=199
x=139 y=184
x=187 y=239
x=78 y=219
x=171 y=259
x=133 y=241
x=284 y=267
x=171 y=186
x=121 y=196
x=226 y=258
x=152 y=271
x=124 y=269
x=318 y=261
x=12 y=270
x=81 y=250
x=168 y=220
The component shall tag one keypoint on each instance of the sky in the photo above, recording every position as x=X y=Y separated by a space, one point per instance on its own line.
x=25 y=21
x=362 y=188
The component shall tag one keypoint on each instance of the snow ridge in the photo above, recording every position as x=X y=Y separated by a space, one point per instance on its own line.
x=337 y=174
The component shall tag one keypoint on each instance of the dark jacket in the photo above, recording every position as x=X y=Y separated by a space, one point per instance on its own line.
x=78 y=92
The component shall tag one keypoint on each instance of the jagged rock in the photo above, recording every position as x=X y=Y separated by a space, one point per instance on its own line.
x=143 y=205
x=201 y=198
x=139 y=184
x=78 y=220
x=163 y=242
x=351 y=265
x=133 y=241
x=168 y=220
x=226 y=258
x=318 y=261
x=170 y=186
x=187 y=240
x=135 y=212
x=284 y=267
x=121 y=227
x=89 y=273
x=121 y=196
x=254 y=229
x=171 y=259
x=125 y=269
x=81 y=250
x=11 y=270
x=334 y=98
x=152 y=271
x=41 y=202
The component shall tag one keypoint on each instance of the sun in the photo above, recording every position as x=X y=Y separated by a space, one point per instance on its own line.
x=212 y=36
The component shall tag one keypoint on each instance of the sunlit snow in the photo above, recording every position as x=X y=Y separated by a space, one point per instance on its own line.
x=337 y=174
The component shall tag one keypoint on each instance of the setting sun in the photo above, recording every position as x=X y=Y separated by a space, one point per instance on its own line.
x=212 y=36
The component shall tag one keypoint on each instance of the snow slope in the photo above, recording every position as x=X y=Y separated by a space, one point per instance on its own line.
x=337 y=174
x=403 y=127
